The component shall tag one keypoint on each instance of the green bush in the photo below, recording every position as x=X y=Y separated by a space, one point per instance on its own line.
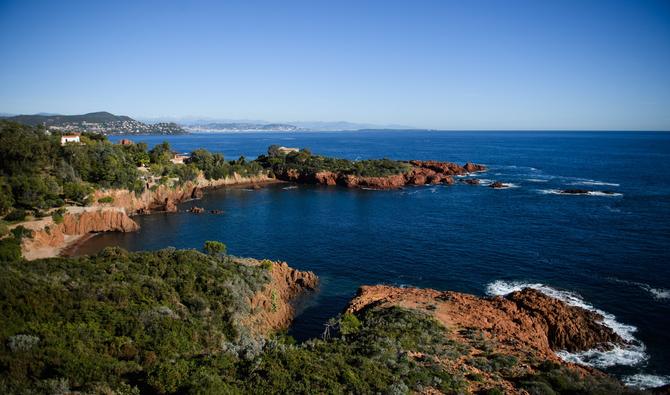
x=76 y=191
x=10 y=250
x=21 y=231
x=17 y=214
x=106 y=199
x=214 y=248
x=57 y=217
x=349 y=324
x=4 y=229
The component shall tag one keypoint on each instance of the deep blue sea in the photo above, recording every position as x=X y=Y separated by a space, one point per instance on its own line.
x=610 y=253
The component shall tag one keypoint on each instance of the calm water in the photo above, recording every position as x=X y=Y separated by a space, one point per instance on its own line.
x=613 y=251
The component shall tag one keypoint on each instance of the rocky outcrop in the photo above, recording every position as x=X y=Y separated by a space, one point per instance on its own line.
x=567 y=327
x=575 y=191
x=524 y=322
x=275 y=306
x=419 y=173
x=497 y=185
x=113 y=213
x=49 y=239
x=517 y=334
x=165 y=198
x=473 y=167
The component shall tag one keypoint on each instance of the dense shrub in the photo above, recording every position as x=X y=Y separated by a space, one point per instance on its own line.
x=18 y=214
x=215 y=248
x=106 y=199
x=119 y=318
x=10 y=249
x=307 y=163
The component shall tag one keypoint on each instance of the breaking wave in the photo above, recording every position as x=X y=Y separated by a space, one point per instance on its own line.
x=630 y=354
x=656 y=293
x=589 y=193
x=594 y=182
x=644 y=381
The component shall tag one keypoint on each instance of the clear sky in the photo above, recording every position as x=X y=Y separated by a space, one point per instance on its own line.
x=445 y=64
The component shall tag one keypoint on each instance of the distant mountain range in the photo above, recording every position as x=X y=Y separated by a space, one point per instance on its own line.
x=97 y=122
x=242 y=127
x=110 y=124
x=195 y=124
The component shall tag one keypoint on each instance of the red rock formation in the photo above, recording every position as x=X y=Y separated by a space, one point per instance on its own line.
x=526 y=325
x=421 y=173
x=273 y=305
x=523 y=321
x=326 y=178
x=473 y=167
x=567 y=327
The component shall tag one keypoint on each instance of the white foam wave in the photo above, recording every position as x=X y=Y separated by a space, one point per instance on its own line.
x=629 y=354
x=589 y=193
x=289 y=188
x=657 y=293
x=644 y=381
x=594 y=182
x=536 y=180
x=601 y=193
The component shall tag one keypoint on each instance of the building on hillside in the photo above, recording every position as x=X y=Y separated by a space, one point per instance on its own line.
x=178 y=159
x=126 y=142
x=287 y=150
x=70 y=138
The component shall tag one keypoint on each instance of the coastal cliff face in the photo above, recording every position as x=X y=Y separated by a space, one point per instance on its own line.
x=166 y=198
x=50 y=239
x=526 y=327
x=421 y=173
x=273 y=308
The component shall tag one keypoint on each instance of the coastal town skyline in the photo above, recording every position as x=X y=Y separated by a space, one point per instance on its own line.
x=438 y=65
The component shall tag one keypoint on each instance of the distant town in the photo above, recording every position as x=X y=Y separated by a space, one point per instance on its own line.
x=109 y=124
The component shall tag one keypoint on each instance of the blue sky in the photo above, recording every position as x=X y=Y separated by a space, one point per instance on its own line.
x=443 y=64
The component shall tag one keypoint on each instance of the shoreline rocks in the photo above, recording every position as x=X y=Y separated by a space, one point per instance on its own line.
x=420 y=173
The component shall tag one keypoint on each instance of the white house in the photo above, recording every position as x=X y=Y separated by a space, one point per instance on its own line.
x=69 y=138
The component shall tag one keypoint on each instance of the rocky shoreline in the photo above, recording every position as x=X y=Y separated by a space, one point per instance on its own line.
x=527 y=327
x=420 y=173
x=53 y=239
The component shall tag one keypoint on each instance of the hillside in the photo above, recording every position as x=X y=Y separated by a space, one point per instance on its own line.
x=101 y=122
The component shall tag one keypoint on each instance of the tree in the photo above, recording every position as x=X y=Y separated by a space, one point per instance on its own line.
x=161 y=153
x=273 y=151
x=215 y=248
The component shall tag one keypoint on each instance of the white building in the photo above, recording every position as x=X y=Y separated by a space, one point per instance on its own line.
x=69 y=138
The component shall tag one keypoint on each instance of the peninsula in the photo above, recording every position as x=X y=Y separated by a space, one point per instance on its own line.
x=54 y=191
x=185 y=321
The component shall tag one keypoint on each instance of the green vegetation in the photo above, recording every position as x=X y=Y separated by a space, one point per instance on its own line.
x=214 y=166
x=106 y=199
x=215 y=248
x=169 y=322
x=120 y=318
x=307 y=163
x=37 y=173
x=555 y=379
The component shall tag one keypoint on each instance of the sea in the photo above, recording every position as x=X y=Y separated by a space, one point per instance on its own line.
x=608 y=250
